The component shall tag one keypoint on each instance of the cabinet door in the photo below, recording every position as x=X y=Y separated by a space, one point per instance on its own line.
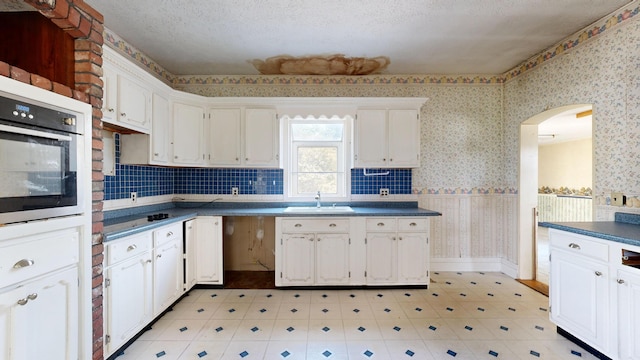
x=134 y=104
x=404 y=138
x=413 y=258
x=332 y=259
x=109 y=94
x=629 y=314
x=579 y=297
x=161 y=128
x=128 y=299
x=167 y=275
x=297 y=261
x=381 y=258
x=261 y=146
x=190 y=254
x=188 y=136
x=224 y=137
x=209 y=250
x=371 y=138
x=39 y=320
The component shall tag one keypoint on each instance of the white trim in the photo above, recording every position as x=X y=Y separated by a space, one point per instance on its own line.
x=466 y=264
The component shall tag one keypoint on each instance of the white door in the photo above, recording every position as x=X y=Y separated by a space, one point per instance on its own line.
x=381 y=258
x=413 y=258
x=190 y=253
x=224 y=137
x=371 y=138
x=261 y=146
x=39 y=320
x=297 y=261
x=167 y=275
x=161 y=128
x=127 y=299
x=580 y=297
x=404 y=138
x=332 y=259
x=134 y=104
x=629 y=314
x=209 y=249
x=188 y=134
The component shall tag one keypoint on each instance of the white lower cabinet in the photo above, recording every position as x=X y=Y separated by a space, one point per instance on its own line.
x=39 y=319
x=167 y=267
x=312 y=251
x=208 y=250
x=594 y=295
x=190 y=253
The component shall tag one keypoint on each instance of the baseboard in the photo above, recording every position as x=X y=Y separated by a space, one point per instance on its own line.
x=510 y=269
x=466 y=264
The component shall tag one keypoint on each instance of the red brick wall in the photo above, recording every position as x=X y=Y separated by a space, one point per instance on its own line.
x=85 y=25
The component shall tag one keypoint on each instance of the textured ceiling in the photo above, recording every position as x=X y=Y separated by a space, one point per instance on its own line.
x=222 y=37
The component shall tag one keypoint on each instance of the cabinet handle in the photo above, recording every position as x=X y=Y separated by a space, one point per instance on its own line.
x=311 y=239
x=149 y=260
x=175 y=157
x=393 y=238
x=574 y=246
x=123 y=114
x=170 y=233
x=246 y=159
x=237 y=159
x=159 y=256
x=413 y=224
x=384 y=159
x=332 y=225
x=32 y=296
x=155 y=154
x=132 y=247
x=298 y=225
x=598 y=273
x=390 y=159
x=23 y=302
x=620 y=281
x=23 y=263
x=380 y=224
x=110 y=109
x=318 y=239
x=400 y=238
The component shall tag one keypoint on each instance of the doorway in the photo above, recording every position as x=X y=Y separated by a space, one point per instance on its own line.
x=552 y=126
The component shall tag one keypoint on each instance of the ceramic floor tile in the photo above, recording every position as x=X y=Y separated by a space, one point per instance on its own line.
x=156 y=329
x=451 y=310
x=361 y=329
x=135 y=350
x=294 y=330
x=350 y=296
x=408 y=349
x=193 y=311
x=489 y=349
x=481 y=310
x=407 y=295
x=270 y=296
x=182 y=330
x=469 y=329
x=565 y=349
x=218 y=330
x=288 y=310
x=434 y=329
x=326 y=330
x=325 y=311
x=297 y=296
x=418 y=310
x=262 y=310
x=242 y=295
x=289 y=350
x=193 y=295
x=165 y=350
x=528 y=349
x=325 y=296
x=212 y=296
x=360 y=310
x=400 y=329
x=506 y=329
x=449 y=349
x=540 y=329
x=255 y=330
x=387 y=310
x=204 y=350
x=245 y=350
x=323 y=350
x=367 y=350
x=231 y=310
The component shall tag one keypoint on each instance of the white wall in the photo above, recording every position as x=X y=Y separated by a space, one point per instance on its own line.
x=566 y=164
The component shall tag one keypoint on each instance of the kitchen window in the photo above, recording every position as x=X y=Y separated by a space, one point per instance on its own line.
x=317 y=158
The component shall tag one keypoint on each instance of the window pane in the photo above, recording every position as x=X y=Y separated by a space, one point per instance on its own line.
x=317 y=159
x=316 y=132
x=312 y=182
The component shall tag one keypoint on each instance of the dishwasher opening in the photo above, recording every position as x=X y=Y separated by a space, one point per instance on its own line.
x=631 y=258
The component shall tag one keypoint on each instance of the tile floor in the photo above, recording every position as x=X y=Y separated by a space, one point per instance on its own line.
x=460 y=316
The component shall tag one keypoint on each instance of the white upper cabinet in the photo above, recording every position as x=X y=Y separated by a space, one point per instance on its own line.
x=224 y=137
x=188 y=134
x=387 y=138
x=126 y=100
x=261 y=146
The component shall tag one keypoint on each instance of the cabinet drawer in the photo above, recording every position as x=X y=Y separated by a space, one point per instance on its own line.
x=167 y=233
x=579 y=245
x=37 y=255
x=315 y=225
x=130 y=246
x=412 y=224
x=382 y=224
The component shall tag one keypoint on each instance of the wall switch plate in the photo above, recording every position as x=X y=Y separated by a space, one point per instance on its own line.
x=384 y=192
x=133 y=196
x=234 y=191
x=617 y=199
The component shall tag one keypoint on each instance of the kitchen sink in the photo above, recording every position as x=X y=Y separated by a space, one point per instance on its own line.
x=318 y=210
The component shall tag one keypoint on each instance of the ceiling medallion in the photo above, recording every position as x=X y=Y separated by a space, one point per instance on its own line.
x=336 y=64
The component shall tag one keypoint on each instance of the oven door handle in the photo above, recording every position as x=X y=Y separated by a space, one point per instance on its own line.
x=30 y=132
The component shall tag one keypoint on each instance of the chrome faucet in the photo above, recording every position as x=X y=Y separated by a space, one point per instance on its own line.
x=317 y=198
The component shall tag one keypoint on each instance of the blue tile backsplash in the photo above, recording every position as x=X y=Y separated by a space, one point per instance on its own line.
x=153 y=181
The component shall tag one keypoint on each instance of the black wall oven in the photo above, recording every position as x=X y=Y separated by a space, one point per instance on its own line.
x=39 y=161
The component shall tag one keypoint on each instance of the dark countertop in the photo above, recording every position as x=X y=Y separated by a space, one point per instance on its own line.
x=621 y=232
x=124 y=223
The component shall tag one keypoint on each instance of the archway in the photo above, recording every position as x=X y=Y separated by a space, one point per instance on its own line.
x=528 y=186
